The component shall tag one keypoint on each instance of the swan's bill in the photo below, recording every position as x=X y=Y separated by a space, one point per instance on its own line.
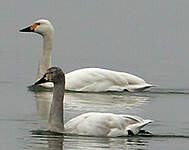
x=30 y=28
x=44 y=79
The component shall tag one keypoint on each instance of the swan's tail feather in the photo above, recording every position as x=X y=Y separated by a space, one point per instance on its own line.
x=139 y=87
x=135 y=128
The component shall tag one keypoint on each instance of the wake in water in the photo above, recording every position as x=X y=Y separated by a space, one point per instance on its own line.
x=167 y=91
x=143 y=133
x=50 y=133
x=152 y=91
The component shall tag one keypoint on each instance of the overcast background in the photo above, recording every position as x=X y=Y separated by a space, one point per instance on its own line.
x=143 y=37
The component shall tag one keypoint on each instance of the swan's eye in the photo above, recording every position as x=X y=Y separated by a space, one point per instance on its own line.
x=38 y=23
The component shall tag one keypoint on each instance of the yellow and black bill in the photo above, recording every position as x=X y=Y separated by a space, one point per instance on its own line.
x=44 y=79
x=30 y=28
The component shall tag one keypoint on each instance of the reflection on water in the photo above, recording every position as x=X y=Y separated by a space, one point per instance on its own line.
x=105 y=101
x=85 y=102
x=103 y=143
x=55 y=144
x=82 y=142
x=59 y=142
x=43 y=102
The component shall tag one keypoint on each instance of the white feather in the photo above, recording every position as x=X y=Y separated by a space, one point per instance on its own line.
x=98 y=80
x=105 y=124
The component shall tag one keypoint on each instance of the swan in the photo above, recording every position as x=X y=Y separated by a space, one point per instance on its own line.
x=91 y=123
x=86 y=79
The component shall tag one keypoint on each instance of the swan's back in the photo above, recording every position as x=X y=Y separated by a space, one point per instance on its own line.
x=97 y=80
x=105 y=124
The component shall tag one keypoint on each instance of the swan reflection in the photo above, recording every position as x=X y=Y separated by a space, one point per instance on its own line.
x=43 y=103
x=86 y=143
x=84 y=102
x=55 y=143
x=82 y=142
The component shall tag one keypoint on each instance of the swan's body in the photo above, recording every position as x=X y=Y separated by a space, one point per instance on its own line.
x=90 y=124
x=105 y=124
x=97 y=80
x=87 y=79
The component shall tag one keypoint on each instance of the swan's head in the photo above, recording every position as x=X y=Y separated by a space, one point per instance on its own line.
x=42 y=27
x=53 y=74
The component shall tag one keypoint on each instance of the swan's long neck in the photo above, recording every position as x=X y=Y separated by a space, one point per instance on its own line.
x=45 y=59
x=56 y=118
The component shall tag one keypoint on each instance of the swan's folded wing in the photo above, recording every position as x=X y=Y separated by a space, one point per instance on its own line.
x=104 y=124
x=98 y=80
x=87 y=124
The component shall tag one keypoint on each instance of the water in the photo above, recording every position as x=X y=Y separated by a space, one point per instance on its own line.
x=27 y=112
x=146 y=38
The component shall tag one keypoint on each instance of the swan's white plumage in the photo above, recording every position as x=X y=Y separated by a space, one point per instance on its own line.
x=105 y=124
x=87 y=79
x=97 y=80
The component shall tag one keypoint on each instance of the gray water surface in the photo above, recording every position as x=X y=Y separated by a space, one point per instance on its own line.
x=146 y=38
x=27 y=112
